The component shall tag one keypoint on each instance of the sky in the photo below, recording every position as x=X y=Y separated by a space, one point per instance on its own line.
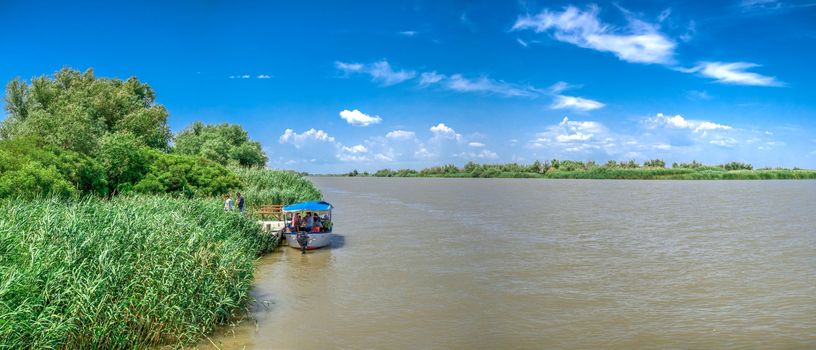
x=329 y=86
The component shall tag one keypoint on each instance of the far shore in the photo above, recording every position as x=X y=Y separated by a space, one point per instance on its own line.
x=555 y=169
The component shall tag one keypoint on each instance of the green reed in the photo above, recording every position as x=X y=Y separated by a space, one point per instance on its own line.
x=130 y=272
x=266 y=186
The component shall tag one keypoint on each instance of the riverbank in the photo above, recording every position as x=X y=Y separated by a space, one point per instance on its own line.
x=652 y=170
x=133 y=271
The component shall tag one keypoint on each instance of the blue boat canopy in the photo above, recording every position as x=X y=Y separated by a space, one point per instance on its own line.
x=308 y=206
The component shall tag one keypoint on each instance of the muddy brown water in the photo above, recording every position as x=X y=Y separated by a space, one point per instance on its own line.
x=532 y=264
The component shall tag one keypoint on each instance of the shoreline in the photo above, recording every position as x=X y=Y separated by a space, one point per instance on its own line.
x=618 y=174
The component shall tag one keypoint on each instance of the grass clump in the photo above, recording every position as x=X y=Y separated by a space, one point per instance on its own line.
x=130 y=272
x=265 y=186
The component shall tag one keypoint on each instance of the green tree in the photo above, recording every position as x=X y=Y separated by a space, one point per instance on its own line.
x=125 y=159
x=654 y=163
x=74 y=110
x=222 y=143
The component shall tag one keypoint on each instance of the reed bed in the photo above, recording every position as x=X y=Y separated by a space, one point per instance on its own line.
x=130 y=272
x=265 y=186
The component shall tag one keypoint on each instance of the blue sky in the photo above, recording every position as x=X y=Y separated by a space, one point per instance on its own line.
x=334 y=86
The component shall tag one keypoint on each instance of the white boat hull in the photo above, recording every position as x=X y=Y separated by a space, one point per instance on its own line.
x=316 y=240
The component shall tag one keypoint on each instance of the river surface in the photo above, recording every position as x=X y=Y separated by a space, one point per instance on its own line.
x=534 y=264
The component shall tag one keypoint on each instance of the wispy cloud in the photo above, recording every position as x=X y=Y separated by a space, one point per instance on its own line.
x=457 y=82
x=400 y=135
x=698 y=95
x=380 y=72
x=358 y=118
x=735 y=73
x=575 y=103
x=640 y=42
x=247 y=76
x=408 y=33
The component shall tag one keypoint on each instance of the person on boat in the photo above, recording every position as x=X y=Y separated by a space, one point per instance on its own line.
x=317 y=220
x=309 y=221
x=227 y=203
x=296 y=221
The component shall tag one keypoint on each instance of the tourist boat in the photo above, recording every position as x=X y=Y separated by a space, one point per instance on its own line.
x=319 y=235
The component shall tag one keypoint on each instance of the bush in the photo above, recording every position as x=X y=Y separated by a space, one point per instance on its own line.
x=45 y=170
x=186 y=175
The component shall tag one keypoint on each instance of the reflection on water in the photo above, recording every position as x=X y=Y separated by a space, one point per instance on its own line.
x=500 y=263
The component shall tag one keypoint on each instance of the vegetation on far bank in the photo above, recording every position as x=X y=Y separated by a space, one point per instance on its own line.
x=113 y=236
x=569 y=169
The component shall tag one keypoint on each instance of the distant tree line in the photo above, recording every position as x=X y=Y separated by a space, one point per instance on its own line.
x=631 y=169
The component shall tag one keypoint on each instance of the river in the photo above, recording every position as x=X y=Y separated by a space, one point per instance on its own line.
x=532 y=264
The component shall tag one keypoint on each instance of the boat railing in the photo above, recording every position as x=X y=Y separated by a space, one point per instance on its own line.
x=271 y=211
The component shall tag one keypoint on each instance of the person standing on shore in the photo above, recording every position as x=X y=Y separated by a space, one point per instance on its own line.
x=227 y=203
x=239 y=200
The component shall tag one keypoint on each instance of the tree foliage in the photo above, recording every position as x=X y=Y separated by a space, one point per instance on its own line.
x=29 y=167
x=226 y=144
x=186 y=175
x=74 y=111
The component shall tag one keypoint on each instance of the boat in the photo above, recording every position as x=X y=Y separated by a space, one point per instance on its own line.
x=308 y=238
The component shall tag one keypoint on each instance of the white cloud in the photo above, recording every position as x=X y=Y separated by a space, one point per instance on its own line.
x=561 y=86
x=383 y=157
x=445 y=132
x=400 y=135
x=428 y=78
x=522 y=42
x=640 y=42
x=483 y=154
x=476 y=144
x=408 y=33
x=724 y=142
x=380 y=72
x=358 y=118
x=698 y=95
x=264 y=76
x=575 y=103
x=578 y=136
x=459 y=83
x=298 y=140
x=349 y=67
x=679 y=122
x=356 y=153
x=733 y=73
x=575 y=137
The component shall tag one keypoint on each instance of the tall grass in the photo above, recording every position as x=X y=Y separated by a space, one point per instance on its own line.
x=131 y=272
x=265 y=186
